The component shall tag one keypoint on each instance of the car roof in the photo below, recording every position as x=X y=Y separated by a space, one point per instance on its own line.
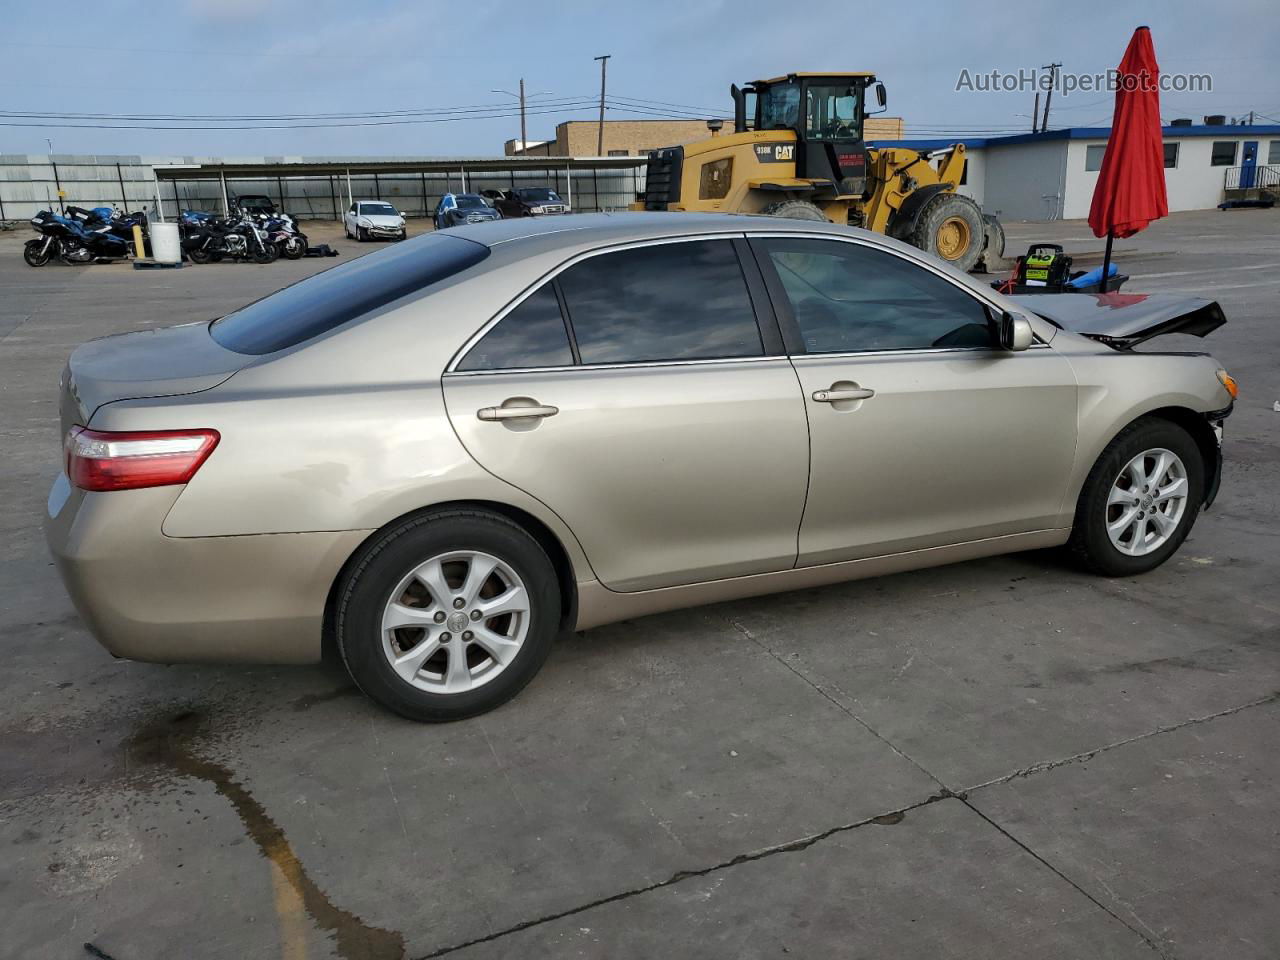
x=580 y=228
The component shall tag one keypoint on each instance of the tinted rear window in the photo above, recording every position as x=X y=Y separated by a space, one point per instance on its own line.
x=317 y=304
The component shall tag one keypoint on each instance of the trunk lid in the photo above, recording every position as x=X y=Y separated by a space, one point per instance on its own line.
x=1123 y=320
x=167 y=362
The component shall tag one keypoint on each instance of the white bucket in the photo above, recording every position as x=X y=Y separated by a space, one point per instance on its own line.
x=165 y=245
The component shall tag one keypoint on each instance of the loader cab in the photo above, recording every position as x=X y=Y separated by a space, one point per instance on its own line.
x=826 y=112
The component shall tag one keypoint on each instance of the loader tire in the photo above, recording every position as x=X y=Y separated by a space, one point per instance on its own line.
x=952 y=229
x=992 y=257
x=795 y=210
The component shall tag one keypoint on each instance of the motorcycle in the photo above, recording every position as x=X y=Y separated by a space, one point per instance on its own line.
x=110 y=220
x=283 y=231
x=68 y=240
x=211 y=239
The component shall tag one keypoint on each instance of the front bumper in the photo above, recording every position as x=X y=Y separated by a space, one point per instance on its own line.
x=384 y=231
x=145 y=596
x=1216 y=419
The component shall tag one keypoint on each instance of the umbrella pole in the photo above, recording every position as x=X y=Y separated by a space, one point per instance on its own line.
x=1106 y=263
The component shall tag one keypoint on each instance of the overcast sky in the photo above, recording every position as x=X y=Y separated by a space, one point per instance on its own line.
x=292 y=57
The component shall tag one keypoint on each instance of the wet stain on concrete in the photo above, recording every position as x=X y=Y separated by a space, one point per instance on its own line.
x=172 y=742
x=309 y=700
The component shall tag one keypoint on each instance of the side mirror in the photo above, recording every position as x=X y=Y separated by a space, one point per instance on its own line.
x=881 y=97
x=1015 y=331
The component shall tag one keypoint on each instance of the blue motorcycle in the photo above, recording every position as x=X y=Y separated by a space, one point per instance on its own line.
x=70 y=241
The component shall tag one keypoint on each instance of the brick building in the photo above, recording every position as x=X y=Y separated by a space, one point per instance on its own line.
x=635 y=138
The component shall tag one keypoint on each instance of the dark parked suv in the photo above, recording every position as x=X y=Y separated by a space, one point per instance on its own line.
x=457 y=209
x=527 y=201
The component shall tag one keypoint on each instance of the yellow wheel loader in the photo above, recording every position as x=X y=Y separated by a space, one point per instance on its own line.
x=804 y=156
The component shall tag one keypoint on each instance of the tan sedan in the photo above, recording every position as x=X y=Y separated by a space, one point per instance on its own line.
x=439 y=456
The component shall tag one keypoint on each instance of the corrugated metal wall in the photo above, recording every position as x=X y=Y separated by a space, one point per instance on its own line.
x=30 y=183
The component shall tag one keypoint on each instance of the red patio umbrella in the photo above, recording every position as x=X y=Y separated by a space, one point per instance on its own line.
x=1130 y=192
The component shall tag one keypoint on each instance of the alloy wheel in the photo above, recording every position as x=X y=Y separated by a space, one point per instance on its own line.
x=455 y=622
x=1147 y=502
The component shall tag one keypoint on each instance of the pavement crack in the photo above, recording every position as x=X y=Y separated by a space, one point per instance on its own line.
x=842 y=707
x=891 y=818
x=1044 y=765
x=1145 y=934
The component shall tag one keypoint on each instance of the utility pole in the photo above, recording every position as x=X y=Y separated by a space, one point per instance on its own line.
x=1035 y=113
x=604 y=62
x=524 y=136
x=1048 y=95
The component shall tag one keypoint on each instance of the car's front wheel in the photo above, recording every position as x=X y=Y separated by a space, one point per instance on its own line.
x=448 y=615
x=1140 y=499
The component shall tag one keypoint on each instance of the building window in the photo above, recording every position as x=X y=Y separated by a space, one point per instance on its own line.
x=1093 y=156
x=1273 y=154
x=1170 y=156
x=619 y=153
x=1224 y=153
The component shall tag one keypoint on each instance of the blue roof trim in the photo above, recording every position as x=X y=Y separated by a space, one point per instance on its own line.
x=1079 y=133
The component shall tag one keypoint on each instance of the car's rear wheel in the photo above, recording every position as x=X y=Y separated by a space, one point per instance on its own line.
x=1140 y=500
x=448 y=615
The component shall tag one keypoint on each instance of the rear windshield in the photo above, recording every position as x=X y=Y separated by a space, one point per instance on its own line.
x=317 y=304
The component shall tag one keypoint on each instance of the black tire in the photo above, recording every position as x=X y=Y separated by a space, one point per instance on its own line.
x=992 y=256
x=404 y=235
x=295 y=248
x=795 y=210
x=267 y=253
x=958 y=215
x=201 y=255
x=1090 y=543
x=382 y=564
x=33 y=254
x=362 y=234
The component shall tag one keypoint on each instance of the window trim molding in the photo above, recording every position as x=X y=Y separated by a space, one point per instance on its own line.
x=552 y=276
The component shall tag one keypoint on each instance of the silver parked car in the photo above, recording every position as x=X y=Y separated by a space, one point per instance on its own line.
x=439 y=456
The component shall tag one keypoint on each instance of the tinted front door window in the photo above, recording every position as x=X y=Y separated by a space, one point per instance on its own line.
x=849 y=298
x=531 y=335
x=672 y=301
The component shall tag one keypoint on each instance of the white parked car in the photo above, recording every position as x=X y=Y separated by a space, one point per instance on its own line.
x=367 y=219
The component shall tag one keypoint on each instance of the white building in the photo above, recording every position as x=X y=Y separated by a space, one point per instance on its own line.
x=1051 y=175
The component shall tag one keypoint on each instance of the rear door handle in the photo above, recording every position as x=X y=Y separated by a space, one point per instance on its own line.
x=834 y=395
x=516 y=412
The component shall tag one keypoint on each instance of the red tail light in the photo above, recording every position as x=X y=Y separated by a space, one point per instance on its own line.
x=97 y=460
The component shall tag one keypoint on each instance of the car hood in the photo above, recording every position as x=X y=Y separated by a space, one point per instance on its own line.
x=1123 y=320
x=147 y=363
x=381 y=219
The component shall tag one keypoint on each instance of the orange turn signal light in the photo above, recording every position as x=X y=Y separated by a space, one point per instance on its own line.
x=1229 y=382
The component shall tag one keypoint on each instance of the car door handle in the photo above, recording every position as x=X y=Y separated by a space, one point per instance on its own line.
x=834 y=395
x=516 y=413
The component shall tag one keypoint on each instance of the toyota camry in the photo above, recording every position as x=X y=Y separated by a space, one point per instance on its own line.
x=436 y=458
